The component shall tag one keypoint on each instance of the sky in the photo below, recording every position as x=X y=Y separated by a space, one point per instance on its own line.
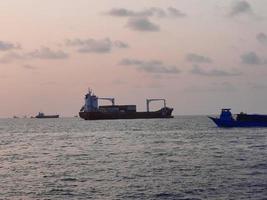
x=201 y=55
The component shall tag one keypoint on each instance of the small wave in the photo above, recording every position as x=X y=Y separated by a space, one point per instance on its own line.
x=194 y=192
x=259 y=146
x=57 y=191
x=69 y=179
x=260 y=166
x=254 y=173
x=165 y=195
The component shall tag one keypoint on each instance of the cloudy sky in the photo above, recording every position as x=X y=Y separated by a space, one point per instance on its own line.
x=201 y=55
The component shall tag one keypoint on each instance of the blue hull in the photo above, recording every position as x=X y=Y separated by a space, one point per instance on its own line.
x=234 y=123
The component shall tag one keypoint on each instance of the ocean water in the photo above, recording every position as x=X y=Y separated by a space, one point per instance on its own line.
x=180 y=158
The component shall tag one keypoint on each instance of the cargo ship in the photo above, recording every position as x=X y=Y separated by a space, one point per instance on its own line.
x=226 y=119
x=92 y=111
x=41 y=115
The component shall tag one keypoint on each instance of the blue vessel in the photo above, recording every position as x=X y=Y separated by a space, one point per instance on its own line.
x=226 y=119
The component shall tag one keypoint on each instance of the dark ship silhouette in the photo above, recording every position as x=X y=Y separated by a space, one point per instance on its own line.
x=91 y=110
x=41 y=115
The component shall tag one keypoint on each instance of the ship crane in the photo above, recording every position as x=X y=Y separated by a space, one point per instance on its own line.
x=149 y=100
x=112 y=100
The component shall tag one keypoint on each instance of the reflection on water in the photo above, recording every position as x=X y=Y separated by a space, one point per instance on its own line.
x=180 y=158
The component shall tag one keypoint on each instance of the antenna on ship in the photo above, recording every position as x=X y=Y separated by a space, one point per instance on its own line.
x=89 y=90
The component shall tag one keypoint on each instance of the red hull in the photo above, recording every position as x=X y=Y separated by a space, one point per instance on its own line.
x=163 y=113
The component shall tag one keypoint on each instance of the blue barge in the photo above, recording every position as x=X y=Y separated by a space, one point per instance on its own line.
x=226 y=119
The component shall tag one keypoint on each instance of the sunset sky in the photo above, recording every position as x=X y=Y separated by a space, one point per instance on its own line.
x=201 y=55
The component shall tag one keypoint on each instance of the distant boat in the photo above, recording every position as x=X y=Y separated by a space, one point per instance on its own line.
x=226 y=119
x=41 y=115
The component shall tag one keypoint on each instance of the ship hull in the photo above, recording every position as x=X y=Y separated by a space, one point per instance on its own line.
x=236 y=123
x=126 y=115
x=47 y=116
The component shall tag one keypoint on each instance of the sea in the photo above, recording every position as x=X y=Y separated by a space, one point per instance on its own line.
x=186 y=157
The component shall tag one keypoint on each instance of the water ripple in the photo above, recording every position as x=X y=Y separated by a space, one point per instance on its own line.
x=181 y=158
